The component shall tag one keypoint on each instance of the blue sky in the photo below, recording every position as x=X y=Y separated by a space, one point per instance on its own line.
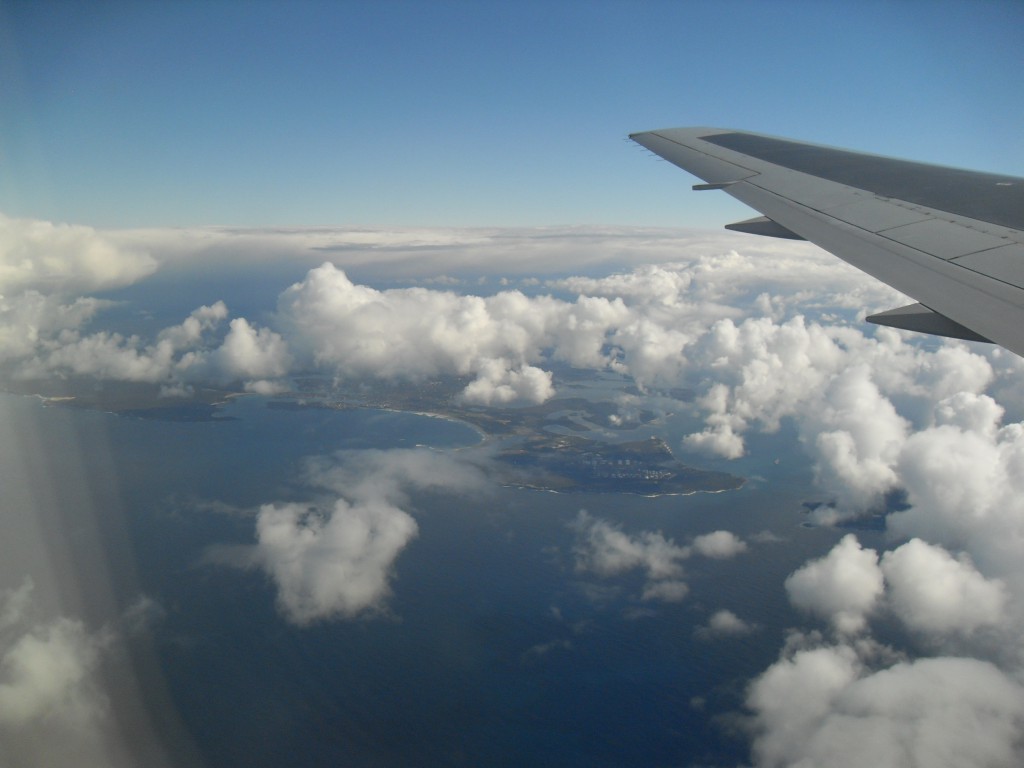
x=471 y=114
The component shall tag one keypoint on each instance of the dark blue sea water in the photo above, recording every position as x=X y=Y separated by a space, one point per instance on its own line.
x=494 y=650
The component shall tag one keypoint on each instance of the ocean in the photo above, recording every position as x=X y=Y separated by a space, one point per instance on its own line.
x=493 y=648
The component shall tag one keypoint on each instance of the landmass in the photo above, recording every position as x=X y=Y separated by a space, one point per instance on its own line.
x=129 y=399
x=645 y=467
x=567 y=444
x=533 y=449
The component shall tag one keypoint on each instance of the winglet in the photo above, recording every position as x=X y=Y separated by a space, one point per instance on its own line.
x=762 y=225
x=917 y=317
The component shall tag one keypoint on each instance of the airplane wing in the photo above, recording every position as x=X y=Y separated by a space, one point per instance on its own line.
x=952 y=239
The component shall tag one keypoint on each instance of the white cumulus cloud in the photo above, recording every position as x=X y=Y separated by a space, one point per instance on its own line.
x=842 y=587
x=725 y=623
x=336 y=560
x=65 y=259
x=719 y=545
x=825 y=706
x=932 y=591
x=412 y=333
x=606 y=550
x=497 y=384
x=251 y=353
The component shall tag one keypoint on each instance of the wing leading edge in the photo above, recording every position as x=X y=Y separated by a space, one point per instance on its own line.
x=950 y=238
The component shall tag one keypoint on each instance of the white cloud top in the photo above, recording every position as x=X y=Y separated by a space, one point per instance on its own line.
x=725 y=622
x=824 y=707
x=606 y=550
x=332 y=563
x=719 y=545
x=64 y=258
x=932 y=591
x=842 y=587
x=356 y=331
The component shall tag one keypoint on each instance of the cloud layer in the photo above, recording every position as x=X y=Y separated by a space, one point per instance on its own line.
x=765 y=333
x=646 y=323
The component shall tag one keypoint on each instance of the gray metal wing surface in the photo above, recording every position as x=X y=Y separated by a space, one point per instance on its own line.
x=952 y=239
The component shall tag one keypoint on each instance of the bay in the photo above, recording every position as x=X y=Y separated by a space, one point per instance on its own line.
x=494 y=648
